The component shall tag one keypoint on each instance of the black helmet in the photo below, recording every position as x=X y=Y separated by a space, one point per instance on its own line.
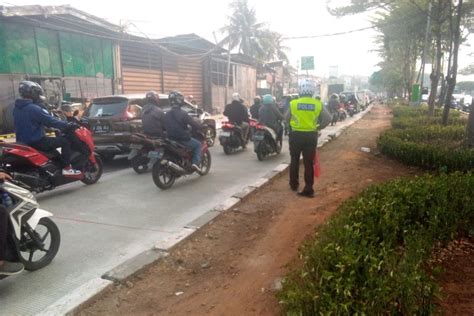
x=176 y=98
x=153 y=97
x=30 y=90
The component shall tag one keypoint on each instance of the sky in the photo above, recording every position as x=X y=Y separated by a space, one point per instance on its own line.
x=352 y=53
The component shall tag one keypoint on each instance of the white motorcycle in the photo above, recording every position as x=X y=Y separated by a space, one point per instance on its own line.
x=33 y=238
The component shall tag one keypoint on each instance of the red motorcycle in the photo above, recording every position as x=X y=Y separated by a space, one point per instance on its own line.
x=39 y=171
x=174 y=160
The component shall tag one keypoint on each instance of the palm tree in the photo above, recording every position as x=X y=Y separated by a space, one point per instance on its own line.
x=251 y=37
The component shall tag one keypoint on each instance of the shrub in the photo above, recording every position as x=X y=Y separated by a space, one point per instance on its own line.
x=419 y=140
x=371 y=257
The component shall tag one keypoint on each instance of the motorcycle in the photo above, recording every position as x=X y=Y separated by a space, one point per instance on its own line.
x=231 y=138
x=39 y=171
x=33 y=238
x=174 y=160
x=265 y=142
x=141 y=146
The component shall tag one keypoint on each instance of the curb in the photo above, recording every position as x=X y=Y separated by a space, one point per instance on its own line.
x=71 y=303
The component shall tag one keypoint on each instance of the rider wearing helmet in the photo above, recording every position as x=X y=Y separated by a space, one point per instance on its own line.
x=255 y=108
x=270 y=116
x=176 y=125
x=304 y=115
x=238 y=114
x=333 y=107
x=153 y=117
x=30 y=122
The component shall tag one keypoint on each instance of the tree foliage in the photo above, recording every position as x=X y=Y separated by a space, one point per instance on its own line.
x=251 y=37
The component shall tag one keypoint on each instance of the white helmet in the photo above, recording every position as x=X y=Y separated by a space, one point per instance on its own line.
x=236 y=96
x=306 y=87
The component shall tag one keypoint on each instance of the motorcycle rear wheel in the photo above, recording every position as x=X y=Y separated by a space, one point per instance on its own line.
x=29 y=246
x=163 y=177
x=228 y=150
x=261 y=154
x=140 y=164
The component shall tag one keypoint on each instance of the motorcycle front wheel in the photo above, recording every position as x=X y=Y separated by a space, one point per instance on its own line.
x=140 y=164
x=163 y=177
x=205 y=163
x=38 y=247
x=93 y=173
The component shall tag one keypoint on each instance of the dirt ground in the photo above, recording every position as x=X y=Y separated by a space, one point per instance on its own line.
x=233 y=265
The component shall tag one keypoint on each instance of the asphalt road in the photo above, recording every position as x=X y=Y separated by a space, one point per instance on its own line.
x=121 y=216
x=124 y=214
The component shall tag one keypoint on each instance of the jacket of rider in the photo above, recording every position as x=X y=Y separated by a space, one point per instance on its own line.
x=30 y=120
x=176 y=124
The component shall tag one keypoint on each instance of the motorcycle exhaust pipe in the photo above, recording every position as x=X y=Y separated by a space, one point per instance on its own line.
x=174 y=167
x=25 y=180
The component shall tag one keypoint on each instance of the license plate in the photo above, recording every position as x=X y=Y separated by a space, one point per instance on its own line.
x=225 y=134
x=258 y=137
x=101 y=129
x=156 y=154
x=136 y=146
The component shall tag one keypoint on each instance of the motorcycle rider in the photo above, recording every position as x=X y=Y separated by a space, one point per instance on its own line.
x=304 y=114
x=255 y=108
x=153 y=117
x=6 y=267
x=176 y=125
x=238 y=114
x=271 y=117
x=30 y=122
x=333 y=106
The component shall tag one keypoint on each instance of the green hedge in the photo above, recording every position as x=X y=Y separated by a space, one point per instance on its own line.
x=422 y=141
x=371 y=257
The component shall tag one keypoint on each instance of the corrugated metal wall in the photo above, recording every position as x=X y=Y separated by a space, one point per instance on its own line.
x=141 y=68
x=185 y=75
x=145 y=67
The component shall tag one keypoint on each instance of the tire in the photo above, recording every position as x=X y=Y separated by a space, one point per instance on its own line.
x=163 y=177
x=261 y=155
x=227 y=150
x=140 y=164
x=91 y=177
x=28 y=246
x=206 y=163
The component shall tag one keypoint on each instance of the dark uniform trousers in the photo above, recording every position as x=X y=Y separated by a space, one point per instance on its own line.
x=302 y=143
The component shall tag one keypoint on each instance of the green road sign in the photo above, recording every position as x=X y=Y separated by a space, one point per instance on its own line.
x=307 y=63
x=415 y=93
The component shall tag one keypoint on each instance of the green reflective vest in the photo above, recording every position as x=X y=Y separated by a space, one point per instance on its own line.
x=305 y=113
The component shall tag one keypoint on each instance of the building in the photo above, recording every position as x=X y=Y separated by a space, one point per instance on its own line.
x=77 y=56
x=69 y=52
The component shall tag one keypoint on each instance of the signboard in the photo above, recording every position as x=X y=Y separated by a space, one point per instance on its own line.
x=415 y=93
x=307 y=63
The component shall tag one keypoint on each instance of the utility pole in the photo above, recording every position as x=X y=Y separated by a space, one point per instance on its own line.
x=227 y=77
x=425 y=48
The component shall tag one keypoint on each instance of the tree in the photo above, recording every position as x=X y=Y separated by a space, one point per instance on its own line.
x=251 y=37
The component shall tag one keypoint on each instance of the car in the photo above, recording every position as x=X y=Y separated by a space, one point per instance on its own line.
x=113 y=119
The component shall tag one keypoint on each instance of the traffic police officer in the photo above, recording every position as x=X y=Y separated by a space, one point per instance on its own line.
x=305 y=114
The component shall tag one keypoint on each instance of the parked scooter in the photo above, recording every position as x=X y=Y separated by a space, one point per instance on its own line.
x=231 y=138
x=33 y=238
x=39 y=171
x=174 y=160
x=265 y=142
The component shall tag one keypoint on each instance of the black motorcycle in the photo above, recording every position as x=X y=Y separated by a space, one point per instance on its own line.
x=232 y=138
x=266 y=142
